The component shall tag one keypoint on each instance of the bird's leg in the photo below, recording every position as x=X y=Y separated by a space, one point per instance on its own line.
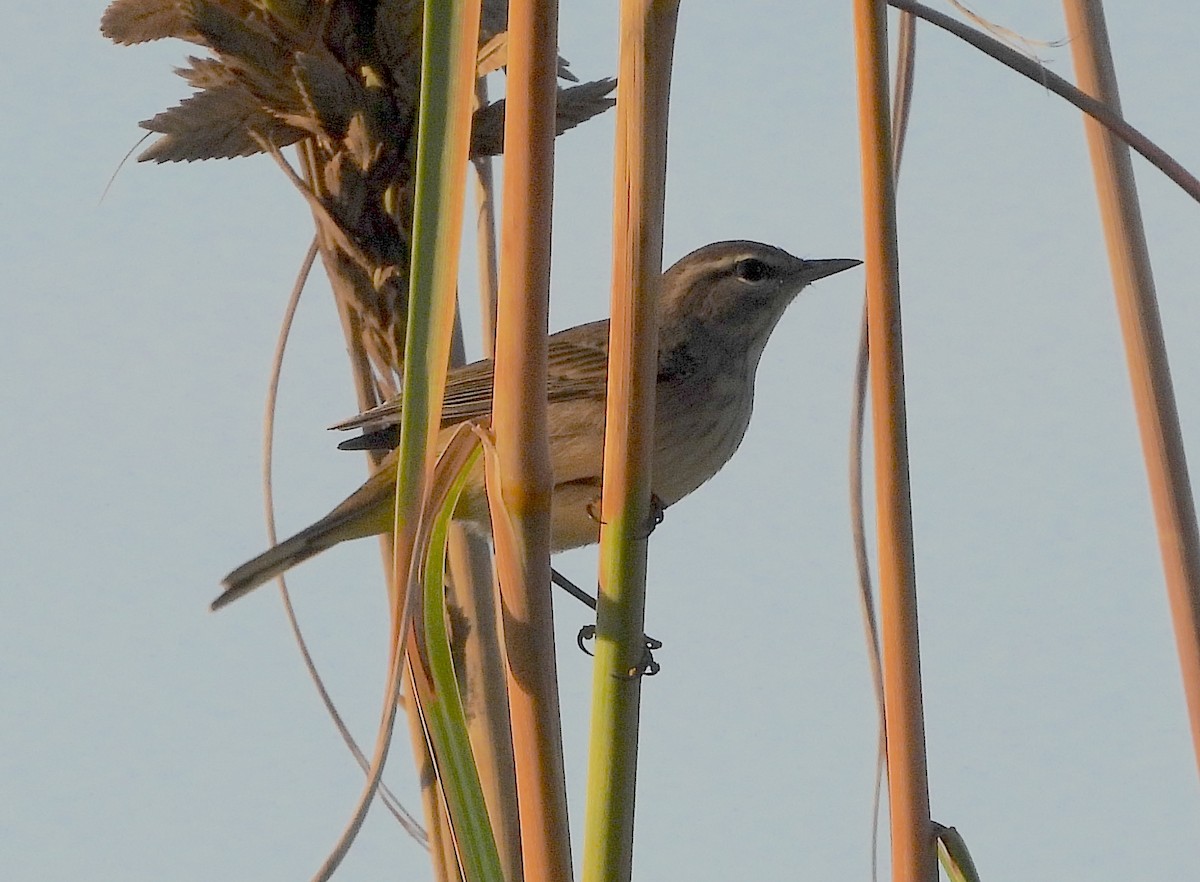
x=571 y=588
x=647 y=666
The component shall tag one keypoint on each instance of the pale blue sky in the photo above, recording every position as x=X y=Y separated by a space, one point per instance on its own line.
x=145 y=738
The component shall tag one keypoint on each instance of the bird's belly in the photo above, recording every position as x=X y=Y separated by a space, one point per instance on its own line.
x=697 y=430
x=695 y=439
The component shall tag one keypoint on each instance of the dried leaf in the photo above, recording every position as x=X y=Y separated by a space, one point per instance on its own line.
x=360 y=146
x=330 y=95
x=128 y=22
x=576 y=104
x=250 y=53
x=297 y=14
x=493 y=55
x=206 y=73
x=398 y=42
x=215 y=124
x=493 y=18
x=243 y=37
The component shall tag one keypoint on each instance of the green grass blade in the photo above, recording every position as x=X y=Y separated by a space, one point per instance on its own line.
x=443 y=709
x=451 y=30
x=953 y=855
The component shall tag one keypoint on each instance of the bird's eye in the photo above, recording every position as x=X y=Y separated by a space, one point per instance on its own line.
x=751 y=269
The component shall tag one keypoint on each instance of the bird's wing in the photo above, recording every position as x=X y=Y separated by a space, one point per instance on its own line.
x=468 y=394
x=577 y=366
x=381 y=415
x=577 y=362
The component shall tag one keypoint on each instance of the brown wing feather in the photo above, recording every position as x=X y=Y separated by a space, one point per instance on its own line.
x=577 y=366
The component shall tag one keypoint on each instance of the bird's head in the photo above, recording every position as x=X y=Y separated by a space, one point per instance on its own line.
x=738 y=289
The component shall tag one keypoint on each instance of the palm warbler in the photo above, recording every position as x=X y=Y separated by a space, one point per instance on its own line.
x=717 y=307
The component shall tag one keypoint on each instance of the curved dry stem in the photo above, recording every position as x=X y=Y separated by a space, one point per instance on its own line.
x=318 y=207
x=383 y=742
x=408 y=636
x=393 y=804
x=1031 y=69
x=375 y=770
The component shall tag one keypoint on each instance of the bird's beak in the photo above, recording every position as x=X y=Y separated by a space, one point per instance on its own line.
x=819 y=269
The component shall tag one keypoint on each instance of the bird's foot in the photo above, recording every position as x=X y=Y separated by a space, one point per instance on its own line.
x=647 y=666
x=657 y=514
x=657 y=509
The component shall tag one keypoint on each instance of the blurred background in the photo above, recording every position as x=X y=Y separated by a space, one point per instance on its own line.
x=145 y=738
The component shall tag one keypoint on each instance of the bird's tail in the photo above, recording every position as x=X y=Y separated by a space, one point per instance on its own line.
x=367 y=512
x=273 y=562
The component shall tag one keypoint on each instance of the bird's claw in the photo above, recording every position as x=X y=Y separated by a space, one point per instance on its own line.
x=593 y=511
x=648 y=666
x=657 y=509
x=586 y=633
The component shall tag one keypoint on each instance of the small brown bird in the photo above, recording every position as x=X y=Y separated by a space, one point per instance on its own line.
x=717 y=307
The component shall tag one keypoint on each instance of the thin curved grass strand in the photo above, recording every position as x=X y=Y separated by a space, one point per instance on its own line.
x=393 y=804
x=387 y=722
x=383 y=743
x=120 y=165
